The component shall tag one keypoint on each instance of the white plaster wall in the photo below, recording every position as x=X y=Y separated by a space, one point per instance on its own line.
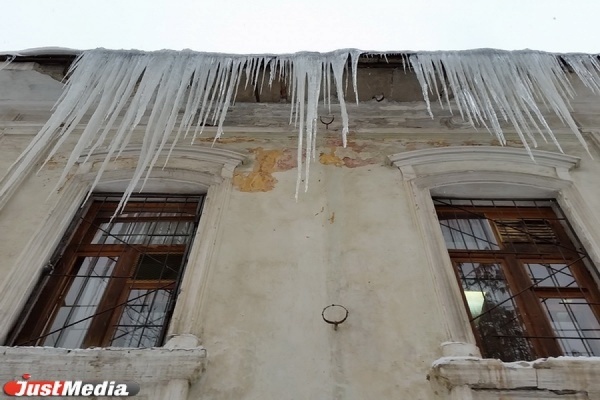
x=22 y=215
x=280 y=263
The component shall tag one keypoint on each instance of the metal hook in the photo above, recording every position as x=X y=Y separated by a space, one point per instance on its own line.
x=335 y=323
x=327 y=123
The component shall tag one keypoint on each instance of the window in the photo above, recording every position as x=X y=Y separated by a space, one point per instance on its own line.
x=526 y=282
x=116 y=281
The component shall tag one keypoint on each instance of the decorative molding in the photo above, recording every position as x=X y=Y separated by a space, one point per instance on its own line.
x=583 y=219
x=161 y=181
x=449 y=298
x=471 y=175
x=227 y=160
x=191 y=300
x=483 y=153
x=197 y=156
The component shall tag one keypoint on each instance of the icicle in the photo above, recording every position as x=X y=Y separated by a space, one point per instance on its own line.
x=419 y=71
x=354 y=55
x=7 y=62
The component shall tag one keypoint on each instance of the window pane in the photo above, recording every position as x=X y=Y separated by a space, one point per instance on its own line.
x=143 y=318
x=159 y=267
x=468 y=234
x=551 y=275
x=576 y=326
x=145 y=232
x=81 y=302
x=494 y=311
x=101 y=234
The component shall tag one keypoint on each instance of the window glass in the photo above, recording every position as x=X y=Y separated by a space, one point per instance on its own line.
x=469 y=234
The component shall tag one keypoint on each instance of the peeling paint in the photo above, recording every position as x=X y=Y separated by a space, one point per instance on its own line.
x=261 y=178
x=438 y=143
x=358 y=162
x=266 y=162
x=350 y=162
x=350 y=144
x=288 y=160
x=331 y=158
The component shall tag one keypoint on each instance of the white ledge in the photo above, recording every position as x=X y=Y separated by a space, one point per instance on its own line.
x=483 y=153
x=138 y=365
x=203 y=159
x=194 y=152
x=561 y=373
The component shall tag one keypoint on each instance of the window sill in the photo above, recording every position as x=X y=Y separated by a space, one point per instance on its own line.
x=576 y=374
x=160 y=364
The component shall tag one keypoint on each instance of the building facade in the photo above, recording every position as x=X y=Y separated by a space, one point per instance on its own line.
x=424 y=261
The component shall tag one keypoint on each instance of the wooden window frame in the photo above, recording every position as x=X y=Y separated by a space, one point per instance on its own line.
x=45 y=303
x=512 y=258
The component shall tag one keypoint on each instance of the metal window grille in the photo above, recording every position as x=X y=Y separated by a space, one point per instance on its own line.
x=116 y=280
x=527 y=283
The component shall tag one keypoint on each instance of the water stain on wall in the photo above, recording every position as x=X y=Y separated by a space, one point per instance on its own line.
x=353 y=156
x=261 y=178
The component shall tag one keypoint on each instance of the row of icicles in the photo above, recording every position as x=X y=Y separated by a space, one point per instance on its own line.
x=180 y=92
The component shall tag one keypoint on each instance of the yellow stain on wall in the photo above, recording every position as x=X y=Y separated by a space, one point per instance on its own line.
x=261 y=178
x=330 y=159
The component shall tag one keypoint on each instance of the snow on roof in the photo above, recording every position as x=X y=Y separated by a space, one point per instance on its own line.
x=43 y=51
